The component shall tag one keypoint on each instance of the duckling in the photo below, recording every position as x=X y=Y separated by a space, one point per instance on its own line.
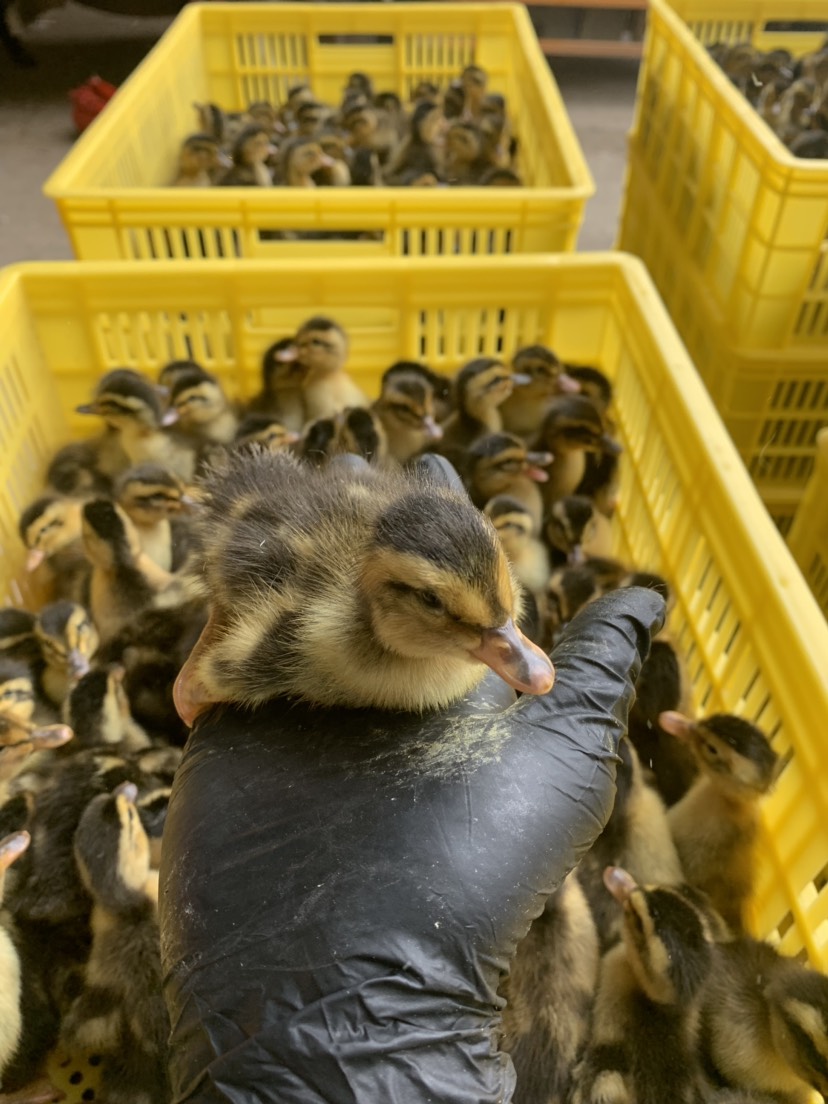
x=337 y=174
x=442 y=387
x=474 y=81
x=637 y=834
x=593 y=383
x=385 y=589
x=795 y=108
x=811 y=144
x=480 y=388
x=549 y=993
x=152 y=809
x=417 y=161
x=765 y=1022
x=542 y=378
x=575 y=530
x=251 y=150
x=124 y=579
x=572 y=427
x=715 y=824
x=645 y=1031
x=17 y=691
x=121 y=1014
x=130 y=404
x=353 y=430
x=152 y=497
x=406 y=410
x=526 y=554
x=658 y=689
x=322 y=352
x=499 y=464
x=50 y=528
x=224 y=126
x=281 y=392
x=301 y=158
x=98 y=712
x=81 y=468
x=18 y=640
x=68 y=641
x=199 y=162
x=310 y=119
x=264 y=430
x=204 y=412
x=568 y=590
x=465 y=158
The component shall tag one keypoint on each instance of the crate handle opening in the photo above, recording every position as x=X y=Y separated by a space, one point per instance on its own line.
x=796 y=26
x=273 y=237
x=354 y=40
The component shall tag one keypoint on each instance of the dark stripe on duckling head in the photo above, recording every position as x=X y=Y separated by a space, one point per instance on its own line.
x=34 y=511
x=126 y=385
x=745 y=739
x=105 y=520
x=494 y=444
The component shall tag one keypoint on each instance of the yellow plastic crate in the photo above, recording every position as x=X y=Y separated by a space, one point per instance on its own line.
x=750 y=218
x=754 y=640
x=773 y=402
x=808 y=538
x=111 y=188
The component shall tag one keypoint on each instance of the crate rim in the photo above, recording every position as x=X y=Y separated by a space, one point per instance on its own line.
x=789 y=594
x=189 y=18
x=758 y=128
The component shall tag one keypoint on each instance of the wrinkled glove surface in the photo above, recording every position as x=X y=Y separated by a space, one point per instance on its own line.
x=342 y=891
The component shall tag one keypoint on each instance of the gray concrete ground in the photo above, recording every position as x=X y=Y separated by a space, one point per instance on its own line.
x=72 y=43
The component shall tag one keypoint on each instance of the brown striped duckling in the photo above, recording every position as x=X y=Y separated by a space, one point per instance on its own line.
x=646 y=1022
x=385 y=589
x=98 y=712
x=17 y=691
x=200 y=162
x=202 y=408
x=480 y=389
x=407 y=411
x=50 y=528
x=353 y=430
x=121 y=1014
x=251 y=151
x=543 y=377
x=549 y=993
x=131 y=404
x=68 y=640
x=281 y=391
x=573 y=427
x=322 y=349
x=153 y=499
x=303 y=156
x=576 y=530
x=515 y=526
x=17 y=638
x=716 y=823
x=500 y=464
x=765 y=1022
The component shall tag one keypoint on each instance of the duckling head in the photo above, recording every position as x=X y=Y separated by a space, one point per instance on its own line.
x=798 y=1006
x=512 y=521
x=593 y=383
x=124 y=398
x=570 y=525
x=48 y=526
x=568 y=590
x=542 y=372
x=482 y=385
x=668 y=936
x=197 y=399
x=442 y=387
x=112 y=850
x=265 y=431
x=109 y=537
x=574 y=423
x=732 y=752
x=73 y=471
x=407 y=413
x=322 y=347
x=463 y=144
x=17 y=695
x=281 y=368
x=199 y=154
x=67 y=637
x=351 y=586
x=252 y=147
x=98 y=708
x=497 y=460
x=148 y=493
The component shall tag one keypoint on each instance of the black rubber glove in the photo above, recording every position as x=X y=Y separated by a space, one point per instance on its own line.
x=342 y=892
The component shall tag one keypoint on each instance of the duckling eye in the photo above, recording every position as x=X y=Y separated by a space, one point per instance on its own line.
x=430 y=600
x=711 y=749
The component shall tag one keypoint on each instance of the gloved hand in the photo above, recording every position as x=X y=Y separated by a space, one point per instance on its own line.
x=342 y=891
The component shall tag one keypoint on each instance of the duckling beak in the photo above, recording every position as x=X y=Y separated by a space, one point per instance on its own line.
x=576 y=557
x=516 y=659
x=34 y=559
x=87 y=408
x=224 y=159
x=288 y=355
x=77 y=663
x=433 y=431
x=12 y=847
x=676 y=724
x=190 y=695
x=567 y=385
x=170 y=417
x=610 y=445
x=52 y=736
x=538 y=461
x=620 y=884
x=520 y=380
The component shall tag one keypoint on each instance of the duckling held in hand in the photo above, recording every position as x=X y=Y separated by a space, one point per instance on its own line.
x=715 y=825
x=645 y=1032
x=323 y=352
x=765 y=1022
x=121 y=1014
x=350 y=586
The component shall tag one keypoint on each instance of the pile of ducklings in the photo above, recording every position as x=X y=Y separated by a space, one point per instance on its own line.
x=639 y=982
x=459 y=135
x=790 y=94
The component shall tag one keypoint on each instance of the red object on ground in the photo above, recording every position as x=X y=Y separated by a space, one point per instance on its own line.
x=89 y=99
